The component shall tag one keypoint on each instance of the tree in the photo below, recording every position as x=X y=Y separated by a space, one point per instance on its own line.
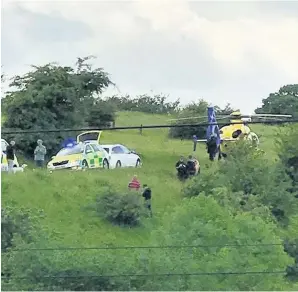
x=156 y=104
x=52 y=97
x=101 y=114
x=189 y=115
x=227 y=110
x=201 y=221
x=287 y=141
x=285 y=101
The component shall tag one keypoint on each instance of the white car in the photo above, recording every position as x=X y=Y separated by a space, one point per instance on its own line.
x=121 y=156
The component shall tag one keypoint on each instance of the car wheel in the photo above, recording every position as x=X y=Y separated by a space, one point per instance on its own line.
x=138 y=164
x=105 y=164
x=85 y=164
x=118 y=164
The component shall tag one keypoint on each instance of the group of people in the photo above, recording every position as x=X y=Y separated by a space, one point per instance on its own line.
x=188 y=168
x=39 y=155
x=135 y=185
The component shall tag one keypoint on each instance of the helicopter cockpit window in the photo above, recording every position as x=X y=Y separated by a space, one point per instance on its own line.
x=236 y=134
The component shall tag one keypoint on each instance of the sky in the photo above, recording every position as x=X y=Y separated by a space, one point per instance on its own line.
x=224 y=52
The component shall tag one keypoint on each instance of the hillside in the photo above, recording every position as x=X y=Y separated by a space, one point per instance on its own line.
x=62 y=200
x=62 y=196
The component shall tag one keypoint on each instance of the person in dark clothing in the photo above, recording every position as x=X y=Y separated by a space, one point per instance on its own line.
x=212 y=147
x=195 y=142
x=181 y=169
x=179 y=162
x=10 y=155
x=147 y=196
x=191 y=167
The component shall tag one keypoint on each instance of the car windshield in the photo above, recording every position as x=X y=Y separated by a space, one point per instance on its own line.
x=71 y=150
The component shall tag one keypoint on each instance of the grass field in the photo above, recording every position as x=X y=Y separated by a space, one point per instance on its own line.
x=63 y=196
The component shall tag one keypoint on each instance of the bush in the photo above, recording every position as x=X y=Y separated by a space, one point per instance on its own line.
x=101 y=115
x=287 y=142
x=66 y=271
x=188 y=116
x=201 y=221
x=247 y=173
x=120 y=209
x=291 y=247
x=14 y=224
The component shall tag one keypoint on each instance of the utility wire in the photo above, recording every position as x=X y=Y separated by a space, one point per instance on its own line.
x=144 y=127
x=153 y=275
x=144 y=247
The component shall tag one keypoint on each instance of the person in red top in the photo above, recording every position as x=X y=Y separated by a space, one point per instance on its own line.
x=134 y=184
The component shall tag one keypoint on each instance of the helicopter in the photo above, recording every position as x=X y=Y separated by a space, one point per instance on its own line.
x=235 y=130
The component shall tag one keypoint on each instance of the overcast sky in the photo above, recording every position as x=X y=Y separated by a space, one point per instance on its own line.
x=236 y=52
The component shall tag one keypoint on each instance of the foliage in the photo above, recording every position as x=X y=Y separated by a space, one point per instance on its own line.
x=156 y=104
x=18 y=227
x=202 y=221
x=291 y=247
x=65 y=271
x=247 y=172
x=285 y=101
x=14 y=223
x=101 y=114
x=189 y=115
x=61 y=195
x=195 y=113
x=52 y=97
x=122 y=209
x=227 y=110
x=287 y=141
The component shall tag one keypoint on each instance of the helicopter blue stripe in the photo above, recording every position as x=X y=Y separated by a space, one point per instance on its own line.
x=212 y=129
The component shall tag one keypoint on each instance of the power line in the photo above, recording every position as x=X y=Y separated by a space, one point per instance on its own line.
x=143 y=127
x=153 y=275
x=145 y=247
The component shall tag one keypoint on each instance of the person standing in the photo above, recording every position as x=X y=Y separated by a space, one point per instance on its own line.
x=39 y=154
x=147 y=196
x=212 y=147
x=10 y=155
x=195 y=142
x=134 y=184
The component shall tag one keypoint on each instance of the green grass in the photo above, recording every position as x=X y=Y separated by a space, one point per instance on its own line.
x=63 y=196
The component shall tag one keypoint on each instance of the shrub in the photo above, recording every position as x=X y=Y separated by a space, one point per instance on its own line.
x=201 y=221
x=291 y=247
x=64 y=272
x=189 y=115
x=287 y=141
x=247 y=172
x=121 y=209
x=14 y=224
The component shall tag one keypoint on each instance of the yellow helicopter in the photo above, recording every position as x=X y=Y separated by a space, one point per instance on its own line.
x=238 y=128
